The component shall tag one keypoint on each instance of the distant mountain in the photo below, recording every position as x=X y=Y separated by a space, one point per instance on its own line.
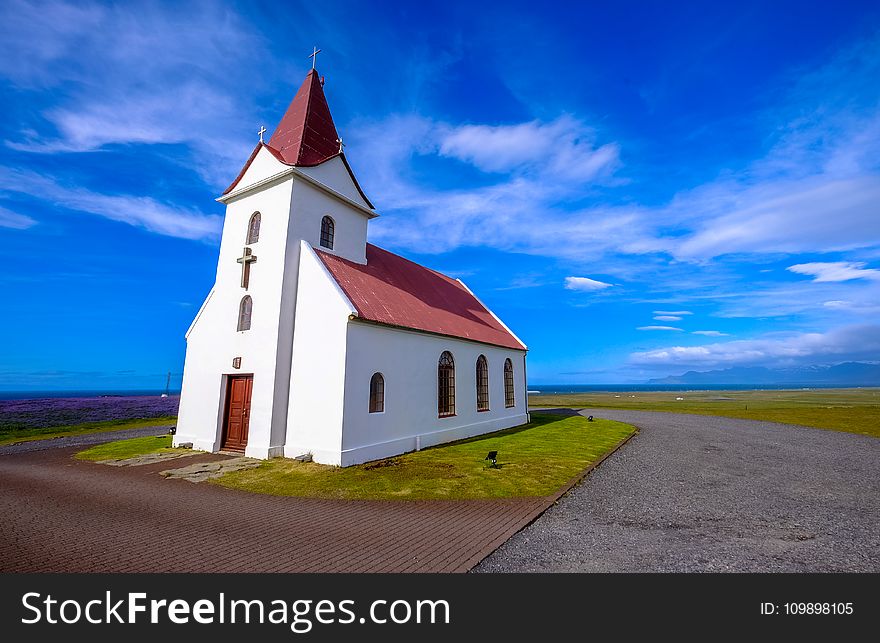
x=843 y=375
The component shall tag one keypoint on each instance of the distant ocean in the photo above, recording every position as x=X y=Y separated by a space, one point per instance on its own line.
x=533 y=389
x=34 y=395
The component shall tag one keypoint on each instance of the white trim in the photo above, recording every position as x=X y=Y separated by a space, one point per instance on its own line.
x=497 y=318
x=198 y=314
x=289 y=172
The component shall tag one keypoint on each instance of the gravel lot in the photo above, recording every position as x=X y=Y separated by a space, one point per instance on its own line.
x=708 y=494
x=87 y=439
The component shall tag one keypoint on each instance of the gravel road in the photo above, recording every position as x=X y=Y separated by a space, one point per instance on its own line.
x=709 y=494
x=86 y=439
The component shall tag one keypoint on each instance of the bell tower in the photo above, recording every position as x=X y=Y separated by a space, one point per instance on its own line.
x=297 y=187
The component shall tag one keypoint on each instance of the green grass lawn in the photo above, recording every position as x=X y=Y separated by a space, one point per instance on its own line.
x=533 y=460
x=132 y=448
x=850 y=410
x=11 y=436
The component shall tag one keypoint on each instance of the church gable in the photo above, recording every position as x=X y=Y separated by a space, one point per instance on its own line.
x=337 y=176
x=262 y=164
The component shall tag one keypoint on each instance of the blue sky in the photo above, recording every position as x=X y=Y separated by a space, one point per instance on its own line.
x=637 y=189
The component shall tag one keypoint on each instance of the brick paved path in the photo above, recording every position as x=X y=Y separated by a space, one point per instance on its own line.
x=60 y=514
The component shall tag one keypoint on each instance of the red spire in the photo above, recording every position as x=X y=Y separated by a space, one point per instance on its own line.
x=306 y=135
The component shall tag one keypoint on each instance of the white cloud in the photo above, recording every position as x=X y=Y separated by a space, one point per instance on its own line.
x=659 y=328
x=14 y=220
x=139 y=211
x=523 y=211
x=709 y=333
x=673 y=312
x=667 y=318
x=165 y=77
x=835 y=270
x=585 y=284
x=815 y=190
x=857 y=342
x=563 y=146
x=831 y=214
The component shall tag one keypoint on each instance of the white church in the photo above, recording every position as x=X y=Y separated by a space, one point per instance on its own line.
x=314 y=342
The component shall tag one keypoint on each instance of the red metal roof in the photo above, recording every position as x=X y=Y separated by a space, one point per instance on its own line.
x=392 y=290
x=306 y=135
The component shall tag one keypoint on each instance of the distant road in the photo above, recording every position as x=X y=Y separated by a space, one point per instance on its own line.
x=86 y=439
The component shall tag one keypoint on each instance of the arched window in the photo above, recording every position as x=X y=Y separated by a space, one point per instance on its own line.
x=446 y=385
x=509 y=399
x=254 y=228
x=482 y=384
x=377 y=393
x=244 y=313
x=327 y=231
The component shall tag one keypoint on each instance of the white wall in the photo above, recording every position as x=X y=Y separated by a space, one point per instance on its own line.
x=214 y=340
x=311 y=204
x=408 y=362
x=291 y=210
x=317 y=378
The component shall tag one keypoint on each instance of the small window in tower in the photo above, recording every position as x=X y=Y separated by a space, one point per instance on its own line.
x=377 y=393
x=244 y=313
x=254 y=228
x=327 y=230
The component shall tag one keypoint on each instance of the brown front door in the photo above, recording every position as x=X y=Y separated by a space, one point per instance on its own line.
x=238 y=412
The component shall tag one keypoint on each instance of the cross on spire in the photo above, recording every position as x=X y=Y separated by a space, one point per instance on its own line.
x=341 y=144
x=314 y=55
x=246 y=259
x=261 y=132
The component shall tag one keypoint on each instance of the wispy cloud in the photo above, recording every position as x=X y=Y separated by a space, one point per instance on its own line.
x=584 y=284
x=14 y=220
x=524 y=209
x=709 y=333
x=857 y=342
x=139 y=211
x=204 y=56
x=561 y=147
x=835 y=270
x=675 y=313
x=659 y=328
x=667 y=318
x=821 y=170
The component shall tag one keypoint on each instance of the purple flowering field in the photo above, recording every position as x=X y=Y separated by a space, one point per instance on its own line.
x=45 y=412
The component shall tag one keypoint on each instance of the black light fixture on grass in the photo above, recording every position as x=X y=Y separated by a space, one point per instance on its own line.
x=493 y=458
x=590 y=419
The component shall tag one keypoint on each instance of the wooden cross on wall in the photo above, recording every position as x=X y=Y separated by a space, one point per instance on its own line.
x=246 y=259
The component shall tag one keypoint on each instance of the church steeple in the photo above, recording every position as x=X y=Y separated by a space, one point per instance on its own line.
x=306 y=135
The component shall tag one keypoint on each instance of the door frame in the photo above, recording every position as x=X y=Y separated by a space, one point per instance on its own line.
x=227 y=401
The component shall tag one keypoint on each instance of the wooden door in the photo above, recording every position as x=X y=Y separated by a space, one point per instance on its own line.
x=238 y=412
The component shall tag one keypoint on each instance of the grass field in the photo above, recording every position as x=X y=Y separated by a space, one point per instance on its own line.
x=533 y=460
x=850 y=410
x=16 y=434
x=132 y=448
